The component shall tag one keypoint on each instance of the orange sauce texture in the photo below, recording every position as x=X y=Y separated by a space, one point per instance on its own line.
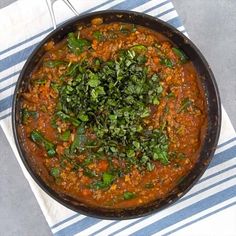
x=184 y=129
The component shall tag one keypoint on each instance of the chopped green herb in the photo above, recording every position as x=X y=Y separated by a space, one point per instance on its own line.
x=77 y=45
x=130 y=153
x=65 y=136
x=53 y=123
x=166 y=109
x=89 y=173
x=155 y=77
x=170 y=95
x=26 y=114
x=133 y=28
x=98 y=35
x=129 y=195
x=144 y=159
x=68 y=118
x=161 y=155
x=83 y=117
x=79 y=140
x=72 y=69
x=124 y=29
x=113 y=101
x=141 y=59
x=182 y=56
x=150 y=166
x=185 y=104
x=40 y=81
x=93 y=81
x=167 y=62
x=163 y=126
x=149 y=185
x=181 y=179
x=55 y=86
x=107 y=180
x=55 y=172
x=53 y=64
x=136 y=144
x=181 y=155
x=145 y=113
x=139 y=48
x=43 y=108
x=39 y=139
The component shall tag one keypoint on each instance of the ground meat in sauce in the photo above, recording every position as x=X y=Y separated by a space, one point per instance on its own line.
x=180 y=113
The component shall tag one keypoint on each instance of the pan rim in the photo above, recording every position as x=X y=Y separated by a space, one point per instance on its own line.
x=51 y=192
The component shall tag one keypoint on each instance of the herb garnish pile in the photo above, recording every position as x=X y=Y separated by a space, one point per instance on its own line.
x=113 y=100
x=112 y=118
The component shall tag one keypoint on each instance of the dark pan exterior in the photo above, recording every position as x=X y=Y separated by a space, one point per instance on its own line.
x=206 y=79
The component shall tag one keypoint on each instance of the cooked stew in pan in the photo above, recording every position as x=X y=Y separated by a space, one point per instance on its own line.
x=113 y=115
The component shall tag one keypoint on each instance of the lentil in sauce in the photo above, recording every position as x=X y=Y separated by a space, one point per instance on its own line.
x=113 y=116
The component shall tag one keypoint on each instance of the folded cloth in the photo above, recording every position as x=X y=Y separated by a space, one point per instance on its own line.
x=209 y=208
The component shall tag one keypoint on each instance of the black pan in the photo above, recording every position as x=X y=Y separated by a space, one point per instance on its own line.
x=206 y=78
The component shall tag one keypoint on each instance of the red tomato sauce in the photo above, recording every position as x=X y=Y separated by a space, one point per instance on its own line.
x=180 y=113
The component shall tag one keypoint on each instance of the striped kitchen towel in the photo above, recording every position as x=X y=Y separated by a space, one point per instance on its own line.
x=208 y=209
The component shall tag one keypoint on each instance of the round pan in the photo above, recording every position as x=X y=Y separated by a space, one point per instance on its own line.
x=206 y=78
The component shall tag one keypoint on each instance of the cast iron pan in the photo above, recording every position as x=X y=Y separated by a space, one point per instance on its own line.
x=206 y=79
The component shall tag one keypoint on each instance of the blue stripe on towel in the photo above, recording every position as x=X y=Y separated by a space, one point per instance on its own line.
x=7 y=87
x=48 y=30
x=185 y=213
x=207 y=188
x=24 y=53
x=26 y=41
x=200 y=218
x=77 y=227
x=63 y=221
x=224 y=154
x=128 y=4
x=168 y=220
x=16 y=57
x=95 y=8
x=176 y=22
x=9 y=76
x=165 y=12
x=181 y=200
x=5 y=116
x=5 y=103
x=160 y=224
x=224 y=143
x=153 y=8
x=217 y=173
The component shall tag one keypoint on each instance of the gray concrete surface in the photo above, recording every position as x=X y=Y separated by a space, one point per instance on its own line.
x=211 y=24
x=19 y=210
x=4 y=3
